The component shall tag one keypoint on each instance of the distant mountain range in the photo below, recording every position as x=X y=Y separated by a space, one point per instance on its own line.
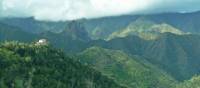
x=101 y=28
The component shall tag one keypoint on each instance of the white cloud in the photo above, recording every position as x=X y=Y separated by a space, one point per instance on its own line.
x=75 y=9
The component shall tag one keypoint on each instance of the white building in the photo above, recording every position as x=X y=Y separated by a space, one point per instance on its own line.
x=42 y=42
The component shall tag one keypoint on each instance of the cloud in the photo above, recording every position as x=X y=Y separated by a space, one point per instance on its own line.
x=57 y=10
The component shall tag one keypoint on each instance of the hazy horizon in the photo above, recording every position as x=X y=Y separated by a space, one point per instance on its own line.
x=62 y=10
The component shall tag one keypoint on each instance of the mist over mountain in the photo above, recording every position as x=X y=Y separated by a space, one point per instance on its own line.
x=62 y=10
x=156 y=49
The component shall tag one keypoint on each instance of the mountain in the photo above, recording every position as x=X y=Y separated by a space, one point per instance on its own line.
x=68 y=39
x=9 y=33
x=133 y=45
x=40 y=66
x=34 y=26
x=186 y=22
x=102 y=28
x=127 y=70
x=145 y=29
x=72 y=39
x=169 y=41
x=180 y=53
x=192 y=83
x=77 y=31
x=176 y=54
x=97 y=28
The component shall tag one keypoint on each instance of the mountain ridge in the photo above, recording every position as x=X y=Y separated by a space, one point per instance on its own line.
x=125 y=69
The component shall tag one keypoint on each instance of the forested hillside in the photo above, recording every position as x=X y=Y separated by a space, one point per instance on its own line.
x=131 y=71
x=40 y=66
x=194 y=82
x=176 y=54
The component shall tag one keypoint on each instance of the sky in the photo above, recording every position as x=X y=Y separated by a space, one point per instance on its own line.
x=61 y=10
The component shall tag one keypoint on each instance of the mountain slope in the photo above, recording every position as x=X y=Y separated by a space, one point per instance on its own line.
x=72 y=39
x=8 y=33
x=176 y=54
x=192 y=83
x=184 y=22
x=77 y=31
x=68 y=39
x=125 y=69
x=43 y=67
x=101 y=28
x=187 y=22
x=145 y=29
x=34 y=26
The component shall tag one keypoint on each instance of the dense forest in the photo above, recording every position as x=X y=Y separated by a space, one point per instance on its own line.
x=35 y=66
x=129 y=70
